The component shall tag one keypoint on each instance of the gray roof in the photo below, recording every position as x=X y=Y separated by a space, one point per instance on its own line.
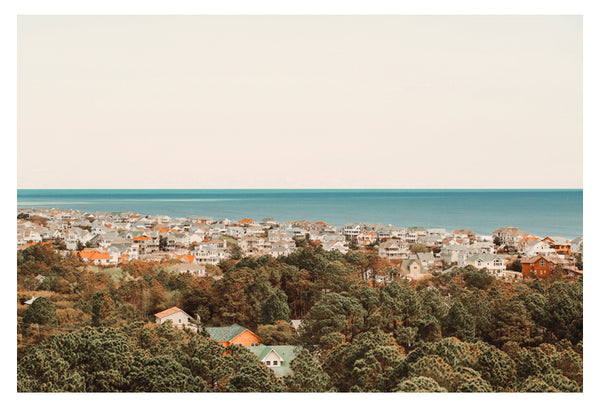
x=483 y=257
x=425 y=256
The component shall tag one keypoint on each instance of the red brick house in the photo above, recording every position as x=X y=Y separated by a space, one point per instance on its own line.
x=541 y=266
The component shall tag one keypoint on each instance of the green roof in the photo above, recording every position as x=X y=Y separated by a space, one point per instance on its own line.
x=226 y=333
x=287 y=353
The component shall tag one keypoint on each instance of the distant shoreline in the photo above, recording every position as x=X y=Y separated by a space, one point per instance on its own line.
x=541 y=212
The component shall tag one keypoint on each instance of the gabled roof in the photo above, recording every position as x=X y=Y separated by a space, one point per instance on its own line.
x=186 y=258
x=225 y=333
x=483 y=257
x=169 y=312
x=285 y=352
x=550 y=258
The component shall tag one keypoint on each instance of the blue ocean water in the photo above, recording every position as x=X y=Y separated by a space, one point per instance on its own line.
x=540 y=212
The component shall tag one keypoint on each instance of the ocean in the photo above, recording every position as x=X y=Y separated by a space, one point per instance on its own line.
x=539 y=212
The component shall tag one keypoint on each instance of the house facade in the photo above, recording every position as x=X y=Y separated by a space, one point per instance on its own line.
x=178 y=318
x=542 y=266
x=493 y=263
x=277 y=358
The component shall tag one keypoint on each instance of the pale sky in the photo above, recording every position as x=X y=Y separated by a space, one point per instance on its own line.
x=300 y=102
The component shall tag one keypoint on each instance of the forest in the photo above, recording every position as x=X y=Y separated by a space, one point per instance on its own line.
x=91 y=328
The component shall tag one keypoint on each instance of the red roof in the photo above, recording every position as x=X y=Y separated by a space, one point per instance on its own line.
x=93 y=255
x=189 y=258
x=168 y=312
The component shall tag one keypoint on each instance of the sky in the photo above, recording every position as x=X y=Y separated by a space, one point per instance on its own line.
x=299 y=102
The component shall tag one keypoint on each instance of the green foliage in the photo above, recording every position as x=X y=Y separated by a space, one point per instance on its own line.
x=505 y=336
x=307 y=376
x=41 y=311
x=275 y=334
x=477 y=278
x=368 y=363
x=163 y=242
x=250 y=375
x=275 y=308
x=459 y=323
x=419 y=384
x=236 y=252
x=418 y=248
x=495 y=366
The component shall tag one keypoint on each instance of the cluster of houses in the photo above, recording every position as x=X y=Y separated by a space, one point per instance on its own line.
x=277 y=357
x=194 y=242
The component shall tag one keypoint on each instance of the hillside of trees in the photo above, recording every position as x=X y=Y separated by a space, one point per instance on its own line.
x=91 y=328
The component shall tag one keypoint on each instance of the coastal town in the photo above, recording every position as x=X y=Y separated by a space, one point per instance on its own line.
x=193 y=243
x=284 y=293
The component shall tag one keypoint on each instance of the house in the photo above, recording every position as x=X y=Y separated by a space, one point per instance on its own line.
x=542 y=266
x=393 y=249
x=532 y=247
x=560 y=245
x=412 y=269
x=493 y=263
x=426 y=259
x=510 y=235
x=188 y=267
x=352 y=230
x=366 y=238
x=97 y=257
x=234 y=334
x=277 y=358
x=577 y=245
x=454 y=254
x=178 y=318
x=335 y=245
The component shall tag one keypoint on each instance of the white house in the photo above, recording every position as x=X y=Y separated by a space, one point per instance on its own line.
x=178 y=318
x=493 y=263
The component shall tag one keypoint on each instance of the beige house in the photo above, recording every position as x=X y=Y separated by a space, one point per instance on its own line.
x=413 y=269
x=178 y=318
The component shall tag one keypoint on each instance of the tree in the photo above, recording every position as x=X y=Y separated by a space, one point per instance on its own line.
x=59 y=244
x=477 y=278
x=236 y=252
x=433 y=367
x=419 y=384
x=41 y=311
x=459 y=323
x=164 y=374
x=307 y=374
x=249 y=374
x=515 y=265
x=275 y=334
x=102 y=307
x=335 y=312
x=163 y=243
x=416 y=248
x=275 y=308
x=495 y=366
x=366 y=364
x=468 y=380
x=579 y=261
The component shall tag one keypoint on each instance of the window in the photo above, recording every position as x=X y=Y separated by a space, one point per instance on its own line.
x=268 y=363
x=179 y=320
x=275 y=362
x=542 y=262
